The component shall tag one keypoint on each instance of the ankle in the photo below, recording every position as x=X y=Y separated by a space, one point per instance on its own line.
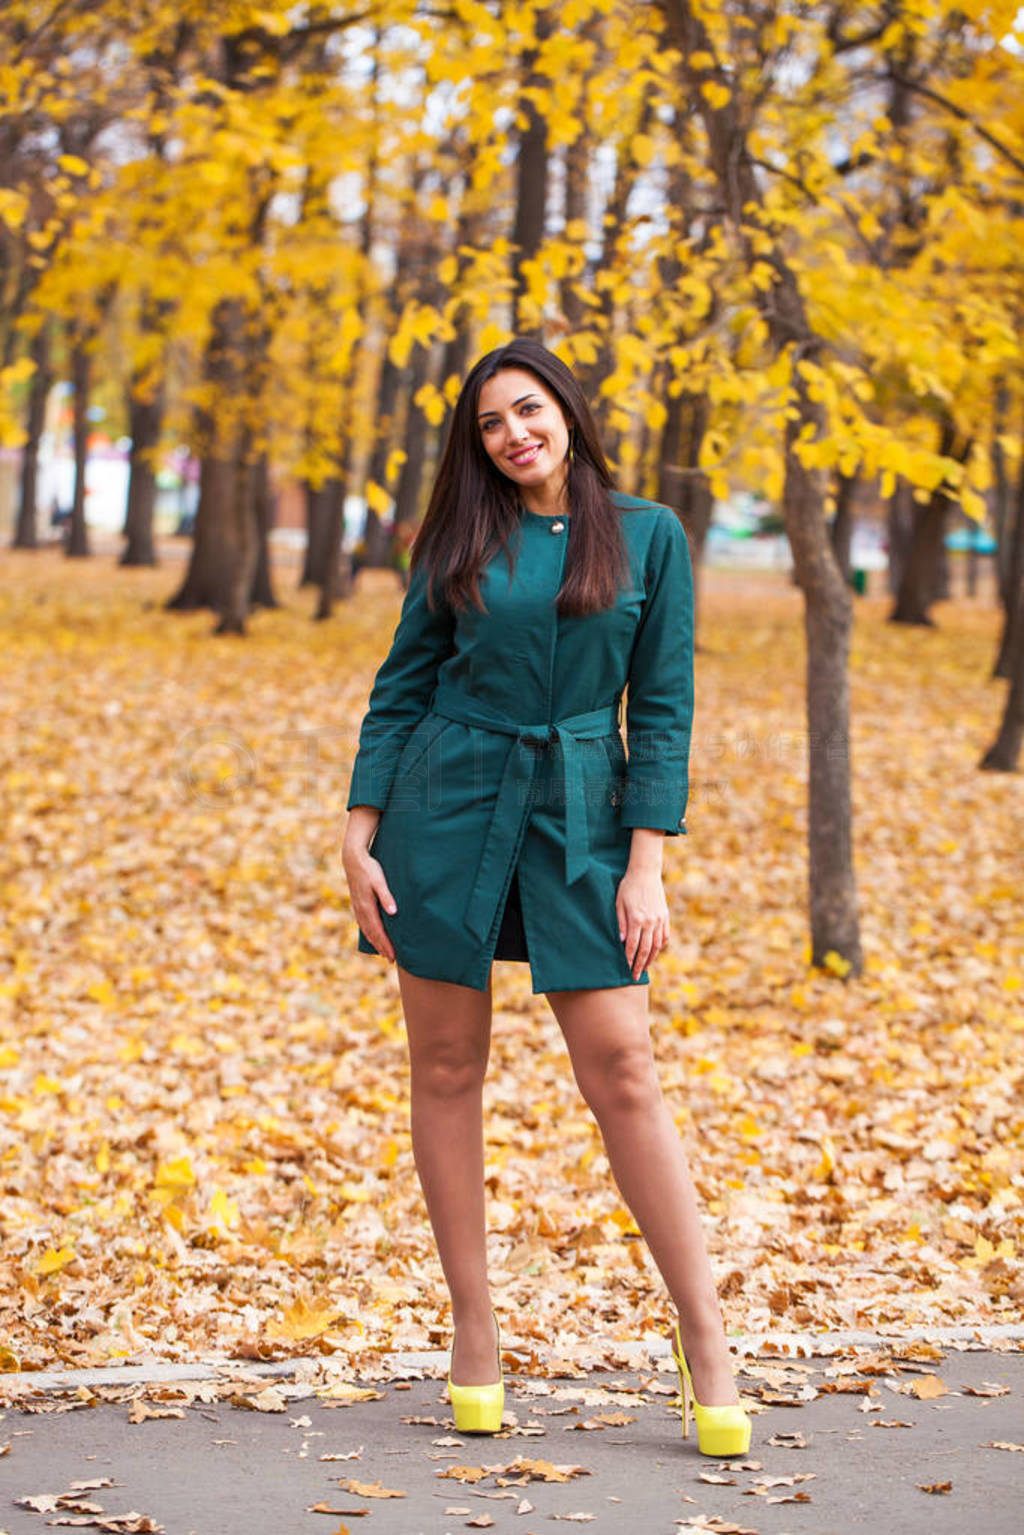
x=473 y=1316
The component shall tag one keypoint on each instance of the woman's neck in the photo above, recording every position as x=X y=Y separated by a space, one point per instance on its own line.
x=547 y=500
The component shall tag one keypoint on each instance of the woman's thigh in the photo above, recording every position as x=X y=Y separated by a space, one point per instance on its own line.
x=607 y=1032
x=447 y=1025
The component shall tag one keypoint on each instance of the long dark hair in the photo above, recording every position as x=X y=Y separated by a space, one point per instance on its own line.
x=474 y=507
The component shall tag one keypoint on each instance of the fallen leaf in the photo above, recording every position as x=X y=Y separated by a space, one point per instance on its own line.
x=370 y=1490
x=713 y=1522
x=303 y=1319
x=936 y=1486
x=927 y=1388
x=787 y=1481
x=41 y=1503
x=267 y=1400
x=141 y=1410
x=325 y=1508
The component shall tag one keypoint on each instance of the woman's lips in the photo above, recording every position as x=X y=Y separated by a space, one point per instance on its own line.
x=525 y=455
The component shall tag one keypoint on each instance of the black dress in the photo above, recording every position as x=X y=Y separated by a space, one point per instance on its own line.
x=511 y=942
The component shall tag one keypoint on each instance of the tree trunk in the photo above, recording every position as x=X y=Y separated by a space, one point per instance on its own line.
x=146 y=421
x=407 y=497
x=681 y=484
x=26 y=533
x=77 y=546
x=1002 y=498
x=828 y=615
x=377 y=536
x=841 y=531
x=973 y=561
x=314 y=564
x=337 y=578
x=243 y=541
x=222 y=572
x=205 y=580
x=919 y=587
x=1004 y=753
x=577 y=181
x=899 y=523
x=925 y=574
x=531 y=184
x=265 y=508
x=1013 y=593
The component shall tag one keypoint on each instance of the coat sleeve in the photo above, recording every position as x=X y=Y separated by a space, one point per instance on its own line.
x=659 y=699
x=401 y=691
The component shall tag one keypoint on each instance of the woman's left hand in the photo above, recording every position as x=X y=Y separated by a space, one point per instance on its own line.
x=643 y=916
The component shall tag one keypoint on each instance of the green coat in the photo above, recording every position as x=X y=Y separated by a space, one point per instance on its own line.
x=492 y=743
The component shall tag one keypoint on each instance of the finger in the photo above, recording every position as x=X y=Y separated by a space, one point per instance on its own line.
x=368 y=915
x=379 y=886
x=376 y=932
x=640 y=949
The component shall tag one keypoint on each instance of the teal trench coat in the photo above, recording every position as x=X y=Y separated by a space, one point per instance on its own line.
x=492 y=744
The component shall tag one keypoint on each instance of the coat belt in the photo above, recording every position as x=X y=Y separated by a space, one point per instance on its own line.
x=509 y=814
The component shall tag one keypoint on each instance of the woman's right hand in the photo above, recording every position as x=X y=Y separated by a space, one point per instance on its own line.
x=367 y=883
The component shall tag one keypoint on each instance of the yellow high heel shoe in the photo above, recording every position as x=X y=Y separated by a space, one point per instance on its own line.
x=720 y=1430
x=478 y=1409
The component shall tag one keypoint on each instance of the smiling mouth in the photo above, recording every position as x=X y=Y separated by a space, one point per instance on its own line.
x=525 y=455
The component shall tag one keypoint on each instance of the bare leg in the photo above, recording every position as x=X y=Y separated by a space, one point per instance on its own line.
x=449 y=1033
x=609 y=1043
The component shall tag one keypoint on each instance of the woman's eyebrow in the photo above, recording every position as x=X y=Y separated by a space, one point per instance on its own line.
x=484 y=413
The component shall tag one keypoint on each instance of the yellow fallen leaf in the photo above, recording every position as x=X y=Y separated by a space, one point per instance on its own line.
x=303 y=1320
x=54 y=1259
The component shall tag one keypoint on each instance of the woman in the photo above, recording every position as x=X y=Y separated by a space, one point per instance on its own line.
x=494 y=814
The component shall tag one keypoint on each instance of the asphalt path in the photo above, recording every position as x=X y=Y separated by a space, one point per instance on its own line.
x=839 y=1445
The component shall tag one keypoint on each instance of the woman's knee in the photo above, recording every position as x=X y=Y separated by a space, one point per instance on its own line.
x=620 y=1079
x=448 y=1072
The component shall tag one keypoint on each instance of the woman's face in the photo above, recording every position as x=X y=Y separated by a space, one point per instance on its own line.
x=523 y=429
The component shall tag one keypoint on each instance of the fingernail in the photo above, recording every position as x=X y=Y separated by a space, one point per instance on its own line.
x=391 y=907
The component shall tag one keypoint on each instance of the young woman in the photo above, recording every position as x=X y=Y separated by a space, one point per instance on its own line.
x=493 y=814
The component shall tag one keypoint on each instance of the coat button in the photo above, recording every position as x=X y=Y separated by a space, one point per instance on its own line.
x=558 y=526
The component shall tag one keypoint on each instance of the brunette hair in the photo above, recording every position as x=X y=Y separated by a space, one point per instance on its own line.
x=474 y=507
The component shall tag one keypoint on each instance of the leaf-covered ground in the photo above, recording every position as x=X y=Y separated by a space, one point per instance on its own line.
x=203 y=1088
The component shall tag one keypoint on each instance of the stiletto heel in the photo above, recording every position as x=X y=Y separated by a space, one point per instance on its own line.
x=478 y=1409
x=720 y=1430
